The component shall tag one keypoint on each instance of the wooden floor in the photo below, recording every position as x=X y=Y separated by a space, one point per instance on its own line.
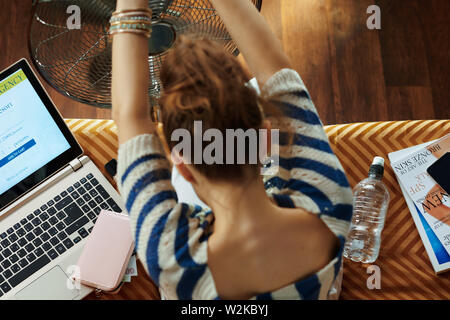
x=354 y=74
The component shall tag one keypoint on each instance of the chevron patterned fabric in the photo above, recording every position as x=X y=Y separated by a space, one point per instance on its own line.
x=406 y=271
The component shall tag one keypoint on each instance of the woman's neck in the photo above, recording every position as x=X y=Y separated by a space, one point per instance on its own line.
x=243 y=207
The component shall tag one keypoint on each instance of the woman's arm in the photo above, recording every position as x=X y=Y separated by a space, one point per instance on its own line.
x=254 y=38
x=130 y=79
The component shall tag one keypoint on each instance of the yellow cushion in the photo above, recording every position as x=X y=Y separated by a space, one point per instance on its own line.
x=406 y=271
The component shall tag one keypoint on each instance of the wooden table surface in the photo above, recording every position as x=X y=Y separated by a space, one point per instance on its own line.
x=400 y=72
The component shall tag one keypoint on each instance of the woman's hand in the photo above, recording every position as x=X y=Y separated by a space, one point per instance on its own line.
x=260 y=47
x=130 y=80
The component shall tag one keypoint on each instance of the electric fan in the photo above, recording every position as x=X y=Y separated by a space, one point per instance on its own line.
x=77 y=62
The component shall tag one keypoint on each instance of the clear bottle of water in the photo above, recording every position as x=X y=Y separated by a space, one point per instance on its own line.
x=371 y=200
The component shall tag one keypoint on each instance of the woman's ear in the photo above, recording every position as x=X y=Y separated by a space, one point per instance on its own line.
x=185 y=172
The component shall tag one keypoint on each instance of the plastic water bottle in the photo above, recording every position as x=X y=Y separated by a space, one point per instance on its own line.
x=371 y=200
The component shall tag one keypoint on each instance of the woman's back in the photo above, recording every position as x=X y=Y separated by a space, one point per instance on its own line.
x=288 y=246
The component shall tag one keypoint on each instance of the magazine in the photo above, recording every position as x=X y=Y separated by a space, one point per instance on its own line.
x=429 y=204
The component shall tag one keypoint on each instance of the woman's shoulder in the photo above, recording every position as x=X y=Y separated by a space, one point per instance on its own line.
x=284 y=81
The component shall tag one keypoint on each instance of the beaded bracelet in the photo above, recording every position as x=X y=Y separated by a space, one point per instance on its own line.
x=138 y=32
x=136 y=21
x=130 y=18
x=125 y=27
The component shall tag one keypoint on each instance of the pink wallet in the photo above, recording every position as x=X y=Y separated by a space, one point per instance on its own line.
x=105 y=256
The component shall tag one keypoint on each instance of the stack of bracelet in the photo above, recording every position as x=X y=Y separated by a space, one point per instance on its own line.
x=138 y=21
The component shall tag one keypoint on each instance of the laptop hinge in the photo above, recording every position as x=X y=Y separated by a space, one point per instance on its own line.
x=75 y=164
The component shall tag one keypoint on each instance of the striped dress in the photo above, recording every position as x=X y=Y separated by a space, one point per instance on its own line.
x=171 y=237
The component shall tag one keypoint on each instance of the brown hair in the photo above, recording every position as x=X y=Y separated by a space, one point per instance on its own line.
x=204 y=82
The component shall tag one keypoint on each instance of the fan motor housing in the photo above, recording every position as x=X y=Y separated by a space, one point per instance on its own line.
x=163 y=38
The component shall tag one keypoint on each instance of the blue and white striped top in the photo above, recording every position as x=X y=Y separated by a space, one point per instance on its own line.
x=171 y=237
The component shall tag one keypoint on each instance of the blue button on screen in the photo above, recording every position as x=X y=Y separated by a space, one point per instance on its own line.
x=17 y=152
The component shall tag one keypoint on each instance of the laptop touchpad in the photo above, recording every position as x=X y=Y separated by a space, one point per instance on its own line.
x=50 y=286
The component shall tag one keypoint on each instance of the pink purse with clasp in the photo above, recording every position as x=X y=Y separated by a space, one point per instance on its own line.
x=105 y=256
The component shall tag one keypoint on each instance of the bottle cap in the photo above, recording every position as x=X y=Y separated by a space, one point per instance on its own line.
x=377 y=168
x=378 y=161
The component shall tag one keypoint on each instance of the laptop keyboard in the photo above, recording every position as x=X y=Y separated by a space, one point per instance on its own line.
x=50 y=230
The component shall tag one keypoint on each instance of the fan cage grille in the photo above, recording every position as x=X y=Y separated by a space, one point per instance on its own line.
x=77 y=62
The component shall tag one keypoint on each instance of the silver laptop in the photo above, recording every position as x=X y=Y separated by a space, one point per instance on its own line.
x=50 y=193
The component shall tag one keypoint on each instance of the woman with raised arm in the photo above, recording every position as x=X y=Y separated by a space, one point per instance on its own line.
x=280 y=237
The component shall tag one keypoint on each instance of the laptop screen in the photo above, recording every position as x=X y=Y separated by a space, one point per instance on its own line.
x=30 y=136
